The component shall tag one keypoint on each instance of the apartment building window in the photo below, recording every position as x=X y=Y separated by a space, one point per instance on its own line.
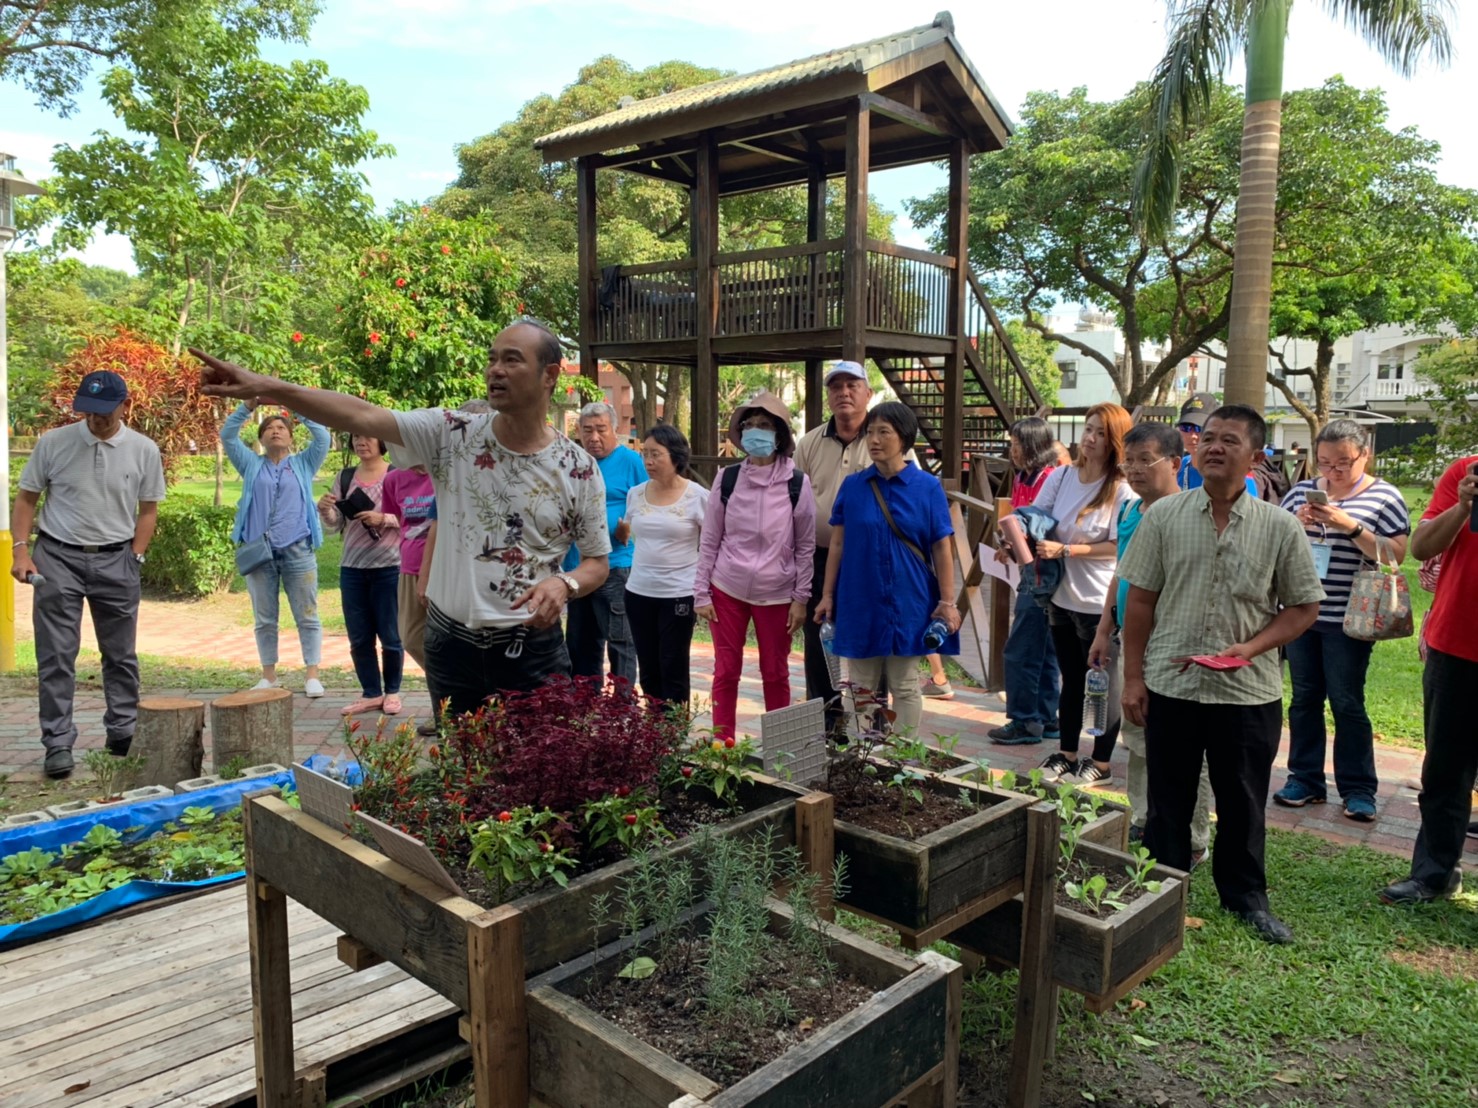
x=1069 y=371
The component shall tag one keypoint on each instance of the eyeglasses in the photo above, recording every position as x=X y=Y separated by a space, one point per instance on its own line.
x=1139 y=467
x=756 y=425
x=1188 y=428
x=1338 y=467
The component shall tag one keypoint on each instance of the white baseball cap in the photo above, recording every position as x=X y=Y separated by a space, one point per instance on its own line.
x=845 y=369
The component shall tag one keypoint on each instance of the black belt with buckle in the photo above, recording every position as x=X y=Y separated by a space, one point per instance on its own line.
x=105 y=548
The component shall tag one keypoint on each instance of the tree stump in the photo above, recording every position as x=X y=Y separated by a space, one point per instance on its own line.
x=256 y=725
x=169 y=737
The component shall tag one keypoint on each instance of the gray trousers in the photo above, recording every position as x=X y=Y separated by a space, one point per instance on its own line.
x=110 y=585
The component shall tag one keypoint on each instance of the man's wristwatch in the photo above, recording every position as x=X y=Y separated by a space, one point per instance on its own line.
x=569 y=583
x=138 y=557
x=1357 y=532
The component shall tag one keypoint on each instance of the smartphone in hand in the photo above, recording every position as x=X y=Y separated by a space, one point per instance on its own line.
x=1317 y=496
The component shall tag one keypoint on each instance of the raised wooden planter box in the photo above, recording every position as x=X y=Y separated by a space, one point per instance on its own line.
x=928 y=886
x=1110 y=828
x=1103 y=958
x=904 y=1038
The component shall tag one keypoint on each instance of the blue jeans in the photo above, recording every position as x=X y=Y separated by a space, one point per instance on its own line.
x=372 y=611
x=1031 y=676
x=294 y=568
x=1325 y=663
x=597 y=625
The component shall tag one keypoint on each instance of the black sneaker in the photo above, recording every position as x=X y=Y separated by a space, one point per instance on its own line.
x=1058 y=766
x=118 y=747
x=59 y=762
x=1012 y=734
x=1089 y=774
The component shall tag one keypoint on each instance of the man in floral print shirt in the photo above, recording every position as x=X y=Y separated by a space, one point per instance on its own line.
x=512 y=495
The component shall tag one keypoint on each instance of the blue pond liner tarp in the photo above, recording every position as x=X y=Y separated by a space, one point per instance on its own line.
x=145 y=818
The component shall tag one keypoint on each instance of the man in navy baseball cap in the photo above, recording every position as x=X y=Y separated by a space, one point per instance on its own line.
x=99 y=393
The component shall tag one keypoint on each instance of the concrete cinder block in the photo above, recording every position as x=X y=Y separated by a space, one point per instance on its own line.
x=195 y=784
x=72 y=807
x=266 y=769
x=26 y=819
x=147 y=792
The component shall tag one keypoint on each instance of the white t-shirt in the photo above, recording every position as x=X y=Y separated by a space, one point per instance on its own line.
x=505 y=520
x=667 y=538
x=1085 y=581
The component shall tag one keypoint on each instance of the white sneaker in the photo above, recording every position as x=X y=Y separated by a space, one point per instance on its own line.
x=265 y=684
x=313 y=688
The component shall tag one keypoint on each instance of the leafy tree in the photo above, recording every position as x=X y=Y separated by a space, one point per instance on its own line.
x=1366 y=235
x=164 y=398
x=1036 y=354
x=418 y=317
x=49 y=46
x=1205 y=36
x=1050 y=221
x=640 y=219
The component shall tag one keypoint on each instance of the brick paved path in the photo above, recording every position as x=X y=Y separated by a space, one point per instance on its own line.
x=174 y=630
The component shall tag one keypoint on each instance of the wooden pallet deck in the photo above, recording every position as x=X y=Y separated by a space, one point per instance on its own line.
x=155 y=1008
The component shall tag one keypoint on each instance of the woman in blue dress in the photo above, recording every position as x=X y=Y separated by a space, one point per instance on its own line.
x=889 y=570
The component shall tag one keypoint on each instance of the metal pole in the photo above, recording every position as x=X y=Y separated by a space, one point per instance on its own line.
x=7 y=552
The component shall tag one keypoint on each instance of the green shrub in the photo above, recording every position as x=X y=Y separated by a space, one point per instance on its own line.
x=192 y=553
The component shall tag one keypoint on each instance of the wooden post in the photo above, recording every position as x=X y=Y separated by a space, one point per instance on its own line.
x=1036 y=995
x=815 y=232
x=498 y=1026
x=957 y=234
x=946 y=1092
x=704 y=217
x=585 y=263
x=815 y=837
x=170 y=738
x=256 y=725
x=854 y=265
x=271 y=985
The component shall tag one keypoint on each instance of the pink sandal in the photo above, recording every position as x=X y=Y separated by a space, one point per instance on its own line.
x=363 y=704
x=392 y=706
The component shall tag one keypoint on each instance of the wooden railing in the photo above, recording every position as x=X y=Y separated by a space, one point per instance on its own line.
x=777 y=290
x=998 y=369
x=655 y=300
x=907 y=289
x=783 y=288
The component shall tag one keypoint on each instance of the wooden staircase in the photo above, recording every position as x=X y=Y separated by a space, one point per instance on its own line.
x=997 y=390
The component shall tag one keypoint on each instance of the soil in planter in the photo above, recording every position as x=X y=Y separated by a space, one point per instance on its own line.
x=669 y=1010
x=1080 y=871
x=872 y=803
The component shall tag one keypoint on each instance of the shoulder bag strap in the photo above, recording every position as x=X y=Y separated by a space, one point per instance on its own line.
x=888 y=515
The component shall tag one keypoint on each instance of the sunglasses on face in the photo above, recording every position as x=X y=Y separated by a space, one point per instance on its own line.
x=1188 y=428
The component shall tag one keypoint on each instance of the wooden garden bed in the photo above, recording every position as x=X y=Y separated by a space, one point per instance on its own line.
x=904 y=1038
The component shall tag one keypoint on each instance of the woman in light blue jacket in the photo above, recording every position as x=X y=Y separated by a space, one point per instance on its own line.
x=277 y=501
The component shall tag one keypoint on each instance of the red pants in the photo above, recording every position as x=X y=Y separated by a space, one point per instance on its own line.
x=729 y=627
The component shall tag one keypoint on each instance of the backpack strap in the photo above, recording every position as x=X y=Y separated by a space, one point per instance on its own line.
x=726 y=482
x=346 y=479
x=794 y=485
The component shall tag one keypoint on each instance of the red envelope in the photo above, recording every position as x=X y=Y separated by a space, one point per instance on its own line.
x=1210 y=661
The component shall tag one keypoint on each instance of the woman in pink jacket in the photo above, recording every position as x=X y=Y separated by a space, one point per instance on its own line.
x=755 y=559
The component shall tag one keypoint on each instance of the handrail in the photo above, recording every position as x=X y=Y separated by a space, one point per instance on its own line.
x=676 y=265
x=913 y=254
x=995 y=322
x=769 y=253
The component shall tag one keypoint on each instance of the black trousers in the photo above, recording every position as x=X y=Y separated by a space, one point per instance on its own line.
x=1072 y=635
x=818 y=676
x=662 y=630
x=1239 y=743
x=467 y=666
x=1449 y=769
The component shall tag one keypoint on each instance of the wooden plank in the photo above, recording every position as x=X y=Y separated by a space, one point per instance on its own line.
x=585 y=264
x=676 y=265
x=774 y=253
x=499 y=1024
x=854 y=265
x=913 y=253
x=1036 y=994
x=920 y=121
x=957 y=236
x=703 y=393
x=579 y=1058
x=815 y=837
x=400 y=915
x=949 y=1092
x=271 y=990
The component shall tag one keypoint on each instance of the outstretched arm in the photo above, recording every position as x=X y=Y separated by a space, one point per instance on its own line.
x=333 y=409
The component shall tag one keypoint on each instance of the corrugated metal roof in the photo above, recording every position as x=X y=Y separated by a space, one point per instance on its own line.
x=850 y=59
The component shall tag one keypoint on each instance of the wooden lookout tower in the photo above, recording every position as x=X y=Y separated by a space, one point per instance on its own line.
x=921 y=317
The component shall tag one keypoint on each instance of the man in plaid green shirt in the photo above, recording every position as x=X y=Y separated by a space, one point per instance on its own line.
x=1215 y=572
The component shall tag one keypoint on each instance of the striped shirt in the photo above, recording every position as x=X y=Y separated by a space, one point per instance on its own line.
x=1216 y=591
x=1377 y=505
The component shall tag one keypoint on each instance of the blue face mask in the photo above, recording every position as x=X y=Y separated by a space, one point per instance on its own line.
x=757 y=443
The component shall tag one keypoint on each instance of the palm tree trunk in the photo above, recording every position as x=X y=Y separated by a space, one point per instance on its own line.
x=1252 y=268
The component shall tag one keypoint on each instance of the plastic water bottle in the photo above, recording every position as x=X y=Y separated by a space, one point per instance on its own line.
x=828 y=634
x=1095 y=702
x=35 y=579
x=935 y=634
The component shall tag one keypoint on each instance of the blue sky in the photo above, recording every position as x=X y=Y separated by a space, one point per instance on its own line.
x=440 y=72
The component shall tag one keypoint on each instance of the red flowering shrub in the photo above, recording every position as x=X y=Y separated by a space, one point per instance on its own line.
x=164 y=398
x=567 y=742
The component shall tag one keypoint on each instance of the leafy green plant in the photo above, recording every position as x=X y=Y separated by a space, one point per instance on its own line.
x=1094 y=893
x=192 y=554
x=198 y=817
x=100 y=839
x=626 y=820
x=231 y=771
x=111 y=775
x=1139 y=871
x=516 y=846
x=722 y=766
x=25 y=863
